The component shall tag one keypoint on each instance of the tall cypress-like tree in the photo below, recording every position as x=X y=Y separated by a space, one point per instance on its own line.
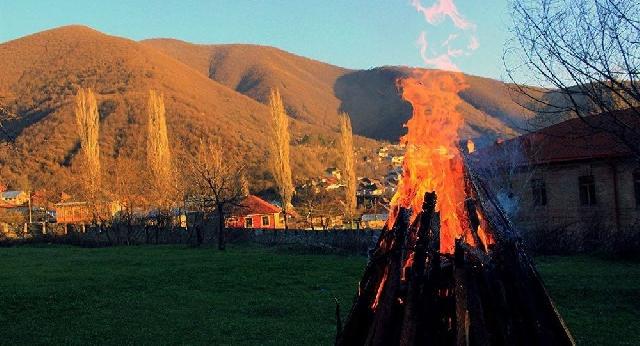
x=349 y=166
x=88 y=122
x=158 y=151
x=280 y=151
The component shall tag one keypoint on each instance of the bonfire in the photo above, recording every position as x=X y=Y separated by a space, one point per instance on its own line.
x=448 y=268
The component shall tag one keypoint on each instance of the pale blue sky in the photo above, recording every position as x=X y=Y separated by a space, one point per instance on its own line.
x=354 y=34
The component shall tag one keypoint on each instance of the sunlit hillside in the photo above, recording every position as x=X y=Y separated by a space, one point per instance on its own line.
x=42 y=72
x=315 y=92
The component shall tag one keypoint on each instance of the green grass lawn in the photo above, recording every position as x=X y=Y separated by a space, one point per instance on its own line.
x=247 y=295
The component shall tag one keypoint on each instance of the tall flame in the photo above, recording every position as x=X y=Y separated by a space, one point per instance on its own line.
x=433 y=161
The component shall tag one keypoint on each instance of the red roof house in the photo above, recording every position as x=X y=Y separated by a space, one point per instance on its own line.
x=254 y=212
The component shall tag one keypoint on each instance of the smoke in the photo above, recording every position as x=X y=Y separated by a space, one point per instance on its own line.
x=498 y=165
x=441 y=56
x=441 y=9
x=442 y=61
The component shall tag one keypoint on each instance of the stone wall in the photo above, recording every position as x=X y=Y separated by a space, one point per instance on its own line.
x=354 y=241
x=563 y=222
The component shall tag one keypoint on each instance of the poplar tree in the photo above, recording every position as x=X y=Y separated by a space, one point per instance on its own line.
x=348 y=167
x=280 y=151
x=88 y=125
x=158 y=151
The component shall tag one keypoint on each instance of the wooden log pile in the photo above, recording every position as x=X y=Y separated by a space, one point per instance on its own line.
x=486 y=294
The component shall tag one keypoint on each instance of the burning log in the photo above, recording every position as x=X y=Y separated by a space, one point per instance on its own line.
x=487 y=292
x=450 y=271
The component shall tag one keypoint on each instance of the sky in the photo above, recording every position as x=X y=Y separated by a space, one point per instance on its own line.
x=355 y=34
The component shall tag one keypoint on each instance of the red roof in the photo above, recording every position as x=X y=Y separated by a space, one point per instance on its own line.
x=256 y=205
x=572 y=140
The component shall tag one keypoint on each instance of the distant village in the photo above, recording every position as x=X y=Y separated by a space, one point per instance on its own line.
x=373 y=193
x=574 y=179
x=22 y=210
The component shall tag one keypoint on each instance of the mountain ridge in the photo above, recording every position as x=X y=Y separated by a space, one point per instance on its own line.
x=211 y=91
x=337 y=92
x=42 y=73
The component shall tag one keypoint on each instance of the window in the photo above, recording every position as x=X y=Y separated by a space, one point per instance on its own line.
x=539 y=191
x=265 y=221
x=636 y=186
x=248 y=222
x=587 y=190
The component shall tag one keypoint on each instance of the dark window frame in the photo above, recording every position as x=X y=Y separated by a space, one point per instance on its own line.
x=265 y=217
x=539 y=192
x=248 y=222
x=587 y=190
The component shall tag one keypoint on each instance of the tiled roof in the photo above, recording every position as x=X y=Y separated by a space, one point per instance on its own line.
x=256 y=205
x=571 y=140
x=11 y=194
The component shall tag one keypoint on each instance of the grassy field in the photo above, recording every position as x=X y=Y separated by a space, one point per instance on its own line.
x=248 y=295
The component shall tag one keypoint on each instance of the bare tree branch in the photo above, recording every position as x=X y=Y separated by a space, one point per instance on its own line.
x=588 y=52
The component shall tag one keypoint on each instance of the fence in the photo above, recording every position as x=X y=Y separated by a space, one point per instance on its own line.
x=354 y=241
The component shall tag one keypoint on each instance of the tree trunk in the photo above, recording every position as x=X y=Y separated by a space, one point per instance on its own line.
x=129 y=232
x=199 y=236
x=286 y=224
x=221 y=240
x=106 y=232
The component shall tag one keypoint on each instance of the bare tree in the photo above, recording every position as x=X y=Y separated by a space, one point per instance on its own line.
x=128 y=189
x=218 y=183
x=318 y=204
x=588 y=52
x=349 y=167
x=88 y=122
x=280 y=151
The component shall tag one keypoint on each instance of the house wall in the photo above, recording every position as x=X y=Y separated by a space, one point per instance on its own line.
x=82 y=213
x=276 y=221
x=21 y=198
x=73 y=214
x=564 y=212
x=240 y=221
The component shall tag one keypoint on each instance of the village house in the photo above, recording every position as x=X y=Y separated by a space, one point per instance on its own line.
x=331 y=183
x=373 y=221
x=369 y=189
x=333 y=172
x=383 y=152
x=397 y=160
x=14 y=197
x=75 y=212
x=11 y=213
x=254 y=212
x=566 y=179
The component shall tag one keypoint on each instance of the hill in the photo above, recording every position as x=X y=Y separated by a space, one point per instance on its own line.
x=41 y=73
x=306 y=85
x=316 y=92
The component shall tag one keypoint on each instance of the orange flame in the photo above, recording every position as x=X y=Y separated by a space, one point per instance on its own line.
x=433 y=161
